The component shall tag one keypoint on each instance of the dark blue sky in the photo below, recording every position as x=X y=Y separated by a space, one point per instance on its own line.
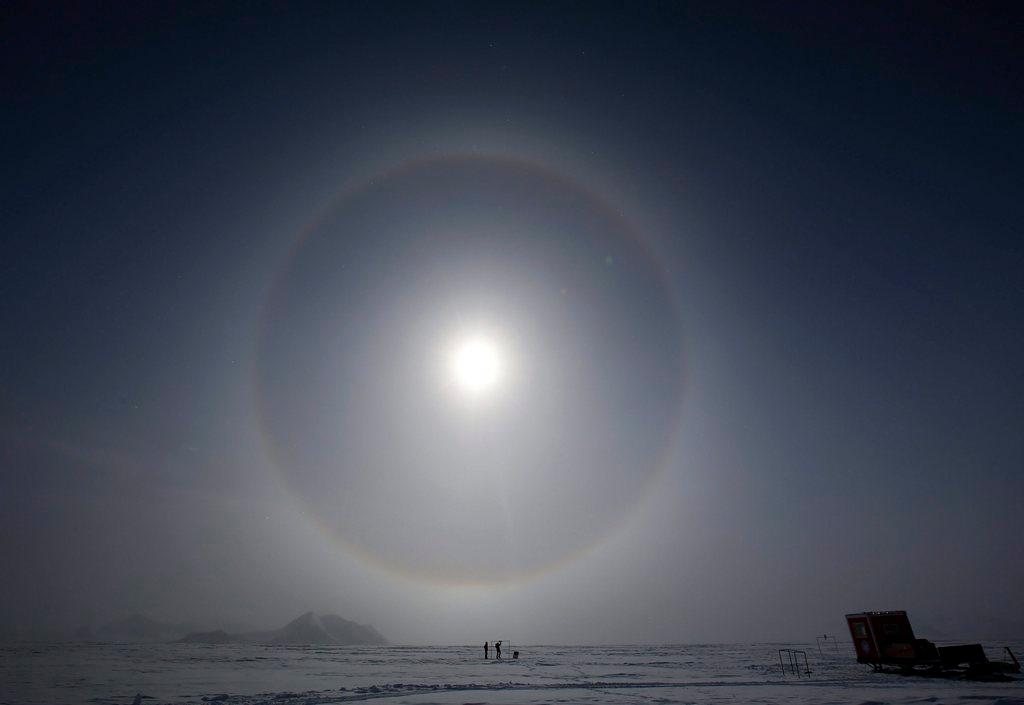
x=831 y=196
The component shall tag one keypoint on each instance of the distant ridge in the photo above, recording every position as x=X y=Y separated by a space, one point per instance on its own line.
x=326 y=629
x=346 y=632
x=308 y=628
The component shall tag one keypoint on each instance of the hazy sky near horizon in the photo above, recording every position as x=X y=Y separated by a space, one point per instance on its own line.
x=560 y=323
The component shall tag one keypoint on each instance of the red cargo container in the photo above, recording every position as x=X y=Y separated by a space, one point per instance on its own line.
x=884 y=637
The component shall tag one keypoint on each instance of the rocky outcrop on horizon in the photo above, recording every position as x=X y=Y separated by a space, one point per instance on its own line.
x=346 y=632
x=308 y=628
x=326 y=629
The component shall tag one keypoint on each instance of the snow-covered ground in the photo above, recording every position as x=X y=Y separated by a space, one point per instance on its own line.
x=247 y=674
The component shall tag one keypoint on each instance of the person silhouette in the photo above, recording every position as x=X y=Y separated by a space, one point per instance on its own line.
x=497 y=649
x=486 y=650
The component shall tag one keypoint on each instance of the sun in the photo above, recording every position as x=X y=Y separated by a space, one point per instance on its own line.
x=476 y=365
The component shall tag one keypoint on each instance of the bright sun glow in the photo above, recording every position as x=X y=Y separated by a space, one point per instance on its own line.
x=476 y=365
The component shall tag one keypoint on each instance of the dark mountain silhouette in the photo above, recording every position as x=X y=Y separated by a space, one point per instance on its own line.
x=305 y=629
x=346 y=632
x=308 y=628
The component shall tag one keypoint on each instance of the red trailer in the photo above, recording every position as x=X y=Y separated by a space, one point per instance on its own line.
x=886 y=639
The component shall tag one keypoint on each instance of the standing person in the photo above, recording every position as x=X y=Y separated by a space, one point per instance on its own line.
x=497 y=649
x=486 y=648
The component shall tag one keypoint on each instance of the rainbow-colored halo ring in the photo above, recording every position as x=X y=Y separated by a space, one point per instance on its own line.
x=350 y=405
